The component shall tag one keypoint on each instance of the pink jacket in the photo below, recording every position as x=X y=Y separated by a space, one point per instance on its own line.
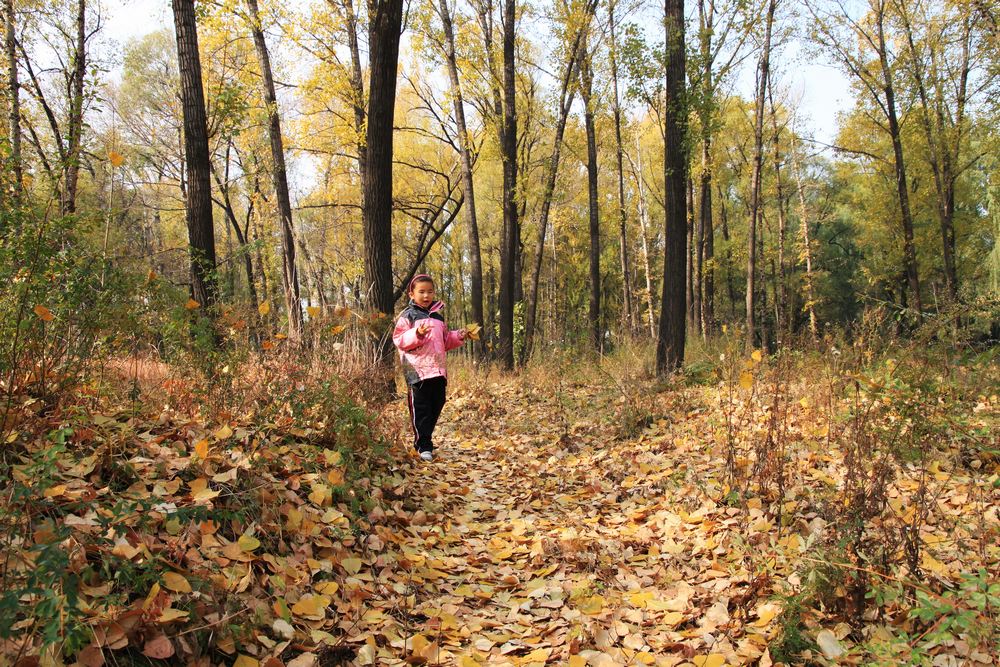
x=423 y=357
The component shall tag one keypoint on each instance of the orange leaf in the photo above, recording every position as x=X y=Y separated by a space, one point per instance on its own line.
x=44 y=314
x=116 y=159
x=192 y=304
x=201 y=448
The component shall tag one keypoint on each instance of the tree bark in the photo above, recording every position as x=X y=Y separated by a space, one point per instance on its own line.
x=643 y=226
x=763 y=72
x=902 y=189
x=475 y=255
x=290 y=274
x=783 y=319
x=385 y=26
x=201 y=231
x=511 y=234
x=566 y=94
x=14 y=90
x=942 y=156
x=670 y=338
x=806 y=244
x=586 y=92
x=628 y=317
x=75 y=125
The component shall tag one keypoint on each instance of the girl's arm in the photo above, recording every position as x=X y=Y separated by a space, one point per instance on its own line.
x=405 y=335
x=453 y=339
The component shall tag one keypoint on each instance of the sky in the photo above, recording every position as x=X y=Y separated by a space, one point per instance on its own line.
x=820 y=89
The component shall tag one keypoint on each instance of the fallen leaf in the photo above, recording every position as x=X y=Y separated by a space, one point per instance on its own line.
x=158 y=648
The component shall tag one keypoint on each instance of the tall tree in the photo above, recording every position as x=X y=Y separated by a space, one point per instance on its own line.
x=763 y=72
x=594 y=214
x=446 y=14
x=75 y=125
x=198 y=190
x=943 y=60
x=384 y=29
x=567 y=92
x=510 y=237
x=670 y=338
x=861 y=48
x=628 y=316
x=14 y=91
x=289 y=274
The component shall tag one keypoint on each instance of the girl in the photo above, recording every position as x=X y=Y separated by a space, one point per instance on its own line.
x=423 y=339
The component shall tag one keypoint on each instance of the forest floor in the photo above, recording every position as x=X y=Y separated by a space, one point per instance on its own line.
x=574 y=521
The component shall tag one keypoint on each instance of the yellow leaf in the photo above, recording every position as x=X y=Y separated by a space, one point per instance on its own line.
x=338 y=329
x=246 y=661
x=192 y=304
x=264 y=308
x=805 y=403
x=311 y=606
x=352 y=565
x=757 y=356
x=335 y=476
x=313 y=311
x=201 y=448
x=328 y=587
x=418 y=643
x=200 y=489
x=592 y=605
x=176 y=582
x=154 y=590
x=248 y=543
x=577 y=661
x=53 y=491
x=115 y=158
x=223 y=432
x=672 y=618
x=473 y=330
x=170 y=614
x=538 y=655
x=746 y=380
x=44 y=314
x=711 y=660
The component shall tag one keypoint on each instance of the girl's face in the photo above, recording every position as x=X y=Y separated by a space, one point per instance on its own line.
x=422 y=293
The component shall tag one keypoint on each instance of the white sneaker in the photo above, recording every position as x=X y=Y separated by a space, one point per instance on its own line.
x=427 y=455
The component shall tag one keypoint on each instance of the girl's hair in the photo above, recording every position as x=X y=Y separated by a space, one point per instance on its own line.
x=419 y=278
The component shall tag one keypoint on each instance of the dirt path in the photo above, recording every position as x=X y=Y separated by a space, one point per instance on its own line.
x=534 y=539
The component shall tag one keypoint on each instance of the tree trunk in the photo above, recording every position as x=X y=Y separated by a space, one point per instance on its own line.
x=783 y=322
x=357 y=86
x=806 y=245
x=707 y=240
x=628 y=317
x=201 y=232
x=475 y=254
x=643 y=226
x=75 y=91
x=385 y=25
x=290 y=274
x=586 y=92
x=692 y=269
x=763 y=70
x=670 y=341
x=902 y=189
x=942 y=156
x=14 y=90
x=566 y=94
x=511 y=234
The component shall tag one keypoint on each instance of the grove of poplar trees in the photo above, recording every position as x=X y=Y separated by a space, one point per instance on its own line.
x=576 y=174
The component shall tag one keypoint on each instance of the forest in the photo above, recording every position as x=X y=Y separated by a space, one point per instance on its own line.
x=728 y=282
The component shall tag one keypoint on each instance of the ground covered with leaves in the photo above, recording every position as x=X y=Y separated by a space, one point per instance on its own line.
x=763 y=511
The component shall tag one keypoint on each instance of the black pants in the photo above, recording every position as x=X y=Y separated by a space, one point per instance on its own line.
x=426 y=399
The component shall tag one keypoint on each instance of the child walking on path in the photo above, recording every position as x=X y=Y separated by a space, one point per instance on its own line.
x=423 y=340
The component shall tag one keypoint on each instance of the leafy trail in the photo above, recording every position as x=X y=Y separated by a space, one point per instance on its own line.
x=563 y=523
x=536 y=538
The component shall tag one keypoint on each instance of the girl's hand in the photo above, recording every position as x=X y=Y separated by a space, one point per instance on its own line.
x=423 y=329
x=463 y=335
